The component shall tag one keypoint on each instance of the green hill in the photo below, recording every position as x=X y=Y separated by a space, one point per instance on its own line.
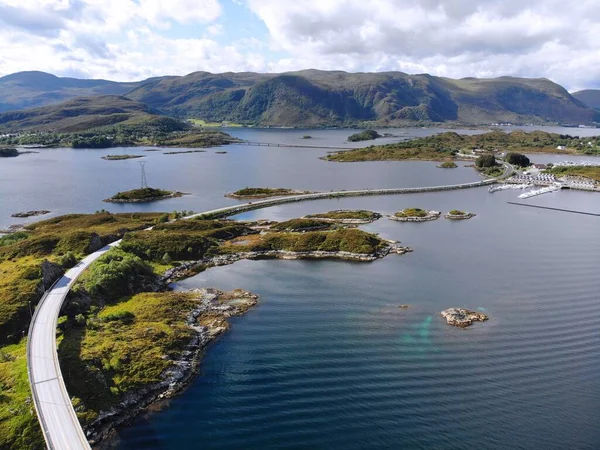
x=589 y=97
x=79 y=114
x=33 y=89
x=319 y=98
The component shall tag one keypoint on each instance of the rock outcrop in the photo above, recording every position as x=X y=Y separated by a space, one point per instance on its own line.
x=461 y=317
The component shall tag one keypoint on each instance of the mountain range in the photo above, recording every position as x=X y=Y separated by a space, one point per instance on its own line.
x=307 y=98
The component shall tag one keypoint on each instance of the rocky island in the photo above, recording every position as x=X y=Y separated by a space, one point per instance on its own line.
x=415 y=215
x=456 y=214
x=462 y=318
x=142 y=195
x=8 y=152
x=346 y=216
x=250 y=193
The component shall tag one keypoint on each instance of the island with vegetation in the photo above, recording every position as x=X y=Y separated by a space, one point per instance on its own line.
x=366 y=135
x=451 y=145
x=346 y=216
x=462 y=317
x=142 y=195
x=415 y=215
x=120 y=157
x=260 y=192
x=447 y=165
x=457 y=214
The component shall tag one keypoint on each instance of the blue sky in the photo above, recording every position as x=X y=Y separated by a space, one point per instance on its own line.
x=135 y=39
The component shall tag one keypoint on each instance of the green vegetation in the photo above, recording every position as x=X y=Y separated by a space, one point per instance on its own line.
x=341 y=215
x=485 y=161
x=115 y=274
x=367 y=135
x=448 y=165
x=517 y=159
x=592 y=172
x=457 y=212
x=306 y=137
x=412 y=212
x=443 y=146
x=124 y=346
x=120 y=157
x=142 y=195
x=62 y=240
x=19 y=426
x=263 y=192
x=300 y=225
x=345 y=240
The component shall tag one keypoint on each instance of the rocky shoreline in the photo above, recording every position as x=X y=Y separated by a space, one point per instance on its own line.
x=190 y=268
x=287 y=193
x=218 y=306
x=431 y=215
x=462 y=317
x=30 y=213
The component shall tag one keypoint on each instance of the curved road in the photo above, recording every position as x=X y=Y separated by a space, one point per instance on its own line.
x=57 y=417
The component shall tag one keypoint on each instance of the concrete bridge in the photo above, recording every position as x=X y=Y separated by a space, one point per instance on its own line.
x=56 y=414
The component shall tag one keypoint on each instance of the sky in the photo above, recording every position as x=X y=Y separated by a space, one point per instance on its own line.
x=127 y=40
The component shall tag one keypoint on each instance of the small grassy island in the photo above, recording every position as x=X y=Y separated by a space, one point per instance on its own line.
x=142 y=195
x=447 y=165
x=264 y=192
x=457 y=214
x=346 y=216
x=450 y=145
x=367 y=135
x=415 y=215
x=307 y=137
x=120 y=157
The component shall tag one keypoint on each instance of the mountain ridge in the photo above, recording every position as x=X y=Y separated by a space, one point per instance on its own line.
x=311 y=97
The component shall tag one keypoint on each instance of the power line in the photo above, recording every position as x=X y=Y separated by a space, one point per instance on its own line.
x=144 y=180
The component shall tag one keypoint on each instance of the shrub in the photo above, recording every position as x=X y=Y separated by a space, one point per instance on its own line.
x=486 y=161
x=517 y=159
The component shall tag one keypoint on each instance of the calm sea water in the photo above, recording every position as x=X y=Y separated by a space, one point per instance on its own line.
x=327 y=359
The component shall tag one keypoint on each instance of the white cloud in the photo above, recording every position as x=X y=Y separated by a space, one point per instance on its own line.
x=129 y=39
x=541 y=38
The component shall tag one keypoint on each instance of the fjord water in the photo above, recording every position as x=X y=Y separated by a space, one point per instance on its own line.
x=328 y=359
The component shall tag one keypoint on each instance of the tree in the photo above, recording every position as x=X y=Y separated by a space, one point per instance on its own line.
x=517 y=159
x=486 y=161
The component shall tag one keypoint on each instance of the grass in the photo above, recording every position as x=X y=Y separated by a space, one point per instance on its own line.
x=360 y=214
x=19 y=427
x=13 y=238
x=457 y=212
x=592 y=172
x=412 y=212
x=300 y=225
x=346 y=240
x=124 y=346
